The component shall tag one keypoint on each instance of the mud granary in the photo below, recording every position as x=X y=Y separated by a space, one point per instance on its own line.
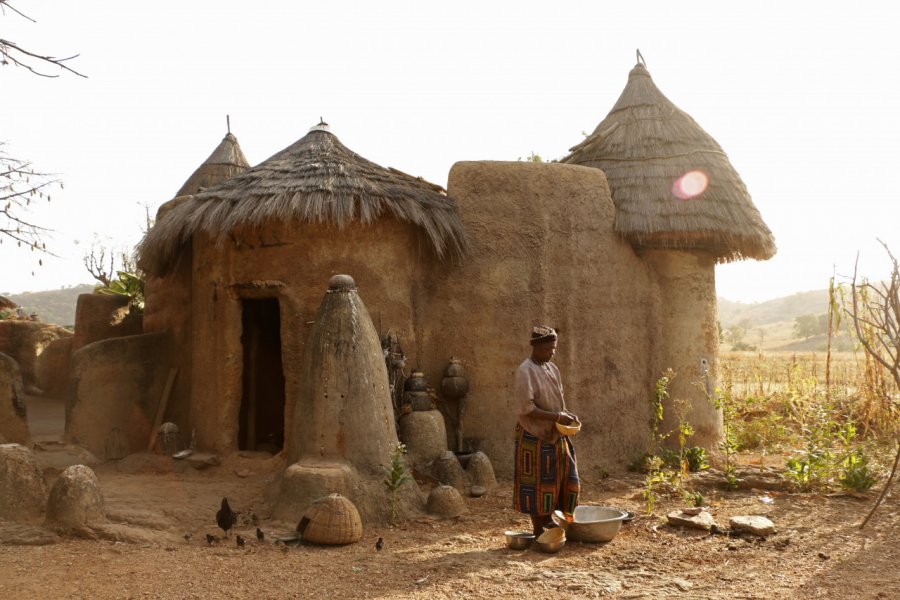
x=615 y=246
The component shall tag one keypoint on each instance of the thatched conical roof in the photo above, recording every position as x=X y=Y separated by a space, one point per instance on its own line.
x=646 y=146
x=315 y=180
x=226 y=161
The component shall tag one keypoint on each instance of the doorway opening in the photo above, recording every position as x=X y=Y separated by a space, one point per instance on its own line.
x=262 y=403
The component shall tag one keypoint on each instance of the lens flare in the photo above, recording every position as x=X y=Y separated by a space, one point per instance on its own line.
x=690 y=185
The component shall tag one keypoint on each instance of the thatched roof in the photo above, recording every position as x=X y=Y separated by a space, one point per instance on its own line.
x=226 y=161
x=315 y=180
x=645 y=145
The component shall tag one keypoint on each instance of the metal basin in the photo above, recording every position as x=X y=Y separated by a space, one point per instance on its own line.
x=518 y=540
x=595 y=523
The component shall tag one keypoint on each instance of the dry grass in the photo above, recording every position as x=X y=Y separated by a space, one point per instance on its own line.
x=775 y=397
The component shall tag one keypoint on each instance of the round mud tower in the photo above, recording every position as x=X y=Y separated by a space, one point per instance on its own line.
x=23 y=491
x=425 y=436
x=446 y=502
x=75 y=499
x=481 y=471
x=332 y=520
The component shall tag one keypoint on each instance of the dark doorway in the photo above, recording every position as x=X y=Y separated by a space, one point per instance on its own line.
x=262 y=404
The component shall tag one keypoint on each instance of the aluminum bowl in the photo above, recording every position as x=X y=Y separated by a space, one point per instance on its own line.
x=552 y=540
x=595 y=523
x=518 y=540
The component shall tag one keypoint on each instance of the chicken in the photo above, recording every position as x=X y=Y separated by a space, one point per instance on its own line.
x=240 y=541
x=210 y=539
x=379 y=544
x=260 y=535
x=225 y=517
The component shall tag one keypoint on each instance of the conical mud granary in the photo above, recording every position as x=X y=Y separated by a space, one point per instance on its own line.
x=684 y=208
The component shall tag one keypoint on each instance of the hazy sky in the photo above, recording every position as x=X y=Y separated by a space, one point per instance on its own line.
x=803 y=96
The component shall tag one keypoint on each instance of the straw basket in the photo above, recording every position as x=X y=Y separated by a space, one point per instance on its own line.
x=332 y=520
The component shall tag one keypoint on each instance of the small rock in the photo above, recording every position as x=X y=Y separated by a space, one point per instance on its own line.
x=823 y=556
x=754 y=524
x=445 y=501
x=477 y=491
x=448 y=471
x=75 y=499
x=23 y=490
x=202 y=460
x=703 y=520
x=481 y=471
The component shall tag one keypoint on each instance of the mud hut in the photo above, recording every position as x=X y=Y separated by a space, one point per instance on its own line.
x=254 y=249
x=684 y=208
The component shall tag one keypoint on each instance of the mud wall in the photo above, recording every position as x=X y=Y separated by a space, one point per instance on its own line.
x=13 y=421
x=167 y=302
x=294 y=267
x=117 y=383
x=544 y=252
x=24 y=341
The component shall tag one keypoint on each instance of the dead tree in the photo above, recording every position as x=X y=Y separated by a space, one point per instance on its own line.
x=20 y=185
x=875 y=310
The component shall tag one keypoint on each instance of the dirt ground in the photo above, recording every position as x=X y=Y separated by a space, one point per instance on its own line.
x=817 y=552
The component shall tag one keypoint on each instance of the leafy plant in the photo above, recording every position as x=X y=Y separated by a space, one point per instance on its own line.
x=395 y=476
x=126 y=284
x=855 y=472
x=696 y=458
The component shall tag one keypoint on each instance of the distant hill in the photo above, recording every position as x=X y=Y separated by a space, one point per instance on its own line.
x=781 y=309
x=52 y=306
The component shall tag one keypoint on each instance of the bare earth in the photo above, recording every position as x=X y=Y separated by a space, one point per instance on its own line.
x=817 y=552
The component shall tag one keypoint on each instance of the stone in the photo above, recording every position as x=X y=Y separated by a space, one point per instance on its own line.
x=477 y=491
x=754 y=524
x=446 y=502
x=448 y=471
x=202 y=460
x=704 y=520
x=23 y=490
x=425 y=436
x=75 y=500
x=481 y=471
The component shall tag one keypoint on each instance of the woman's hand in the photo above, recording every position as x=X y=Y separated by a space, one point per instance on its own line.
x=566 y=418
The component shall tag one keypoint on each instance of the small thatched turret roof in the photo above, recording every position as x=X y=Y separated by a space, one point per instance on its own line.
x=226 y=161
x=315 y=180
x=672 y=184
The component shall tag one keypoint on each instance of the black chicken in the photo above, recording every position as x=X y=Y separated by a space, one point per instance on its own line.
x=260 y=535
x=240 y=541
x=379 y=544
x=210 y=539
x=225 y=517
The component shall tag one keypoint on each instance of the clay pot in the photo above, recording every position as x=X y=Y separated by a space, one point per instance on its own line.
x=454 y=387
x=416 y=382
x=417 y=400
x=455 y=368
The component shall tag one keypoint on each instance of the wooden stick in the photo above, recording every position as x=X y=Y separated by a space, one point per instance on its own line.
x=887 y=485
x=161 y=409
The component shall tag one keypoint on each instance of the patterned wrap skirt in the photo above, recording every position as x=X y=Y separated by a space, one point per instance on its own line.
x=546 y=475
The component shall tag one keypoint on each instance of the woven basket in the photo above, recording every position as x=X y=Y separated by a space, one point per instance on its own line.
x=332 y=520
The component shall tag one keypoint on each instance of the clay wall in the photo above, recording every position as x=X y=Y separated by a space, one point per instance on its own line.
x=117 y=383
x=544 y=251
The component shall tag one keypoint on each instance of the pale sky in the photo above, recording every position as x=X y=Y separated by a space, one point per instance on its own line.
x=802 y=96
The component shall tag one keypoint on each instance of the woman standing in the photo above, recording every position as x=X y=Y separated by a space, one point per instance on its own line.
x=545 y=474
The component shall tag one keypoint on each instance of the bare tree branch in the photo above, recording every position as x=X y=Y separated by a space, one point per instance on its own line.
x=13 y=53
